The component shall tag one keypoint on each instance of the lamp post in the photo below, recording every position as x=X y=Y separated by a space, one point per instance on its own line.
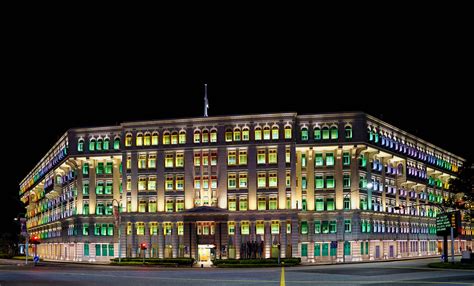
x=117 y=223
x=23 y=232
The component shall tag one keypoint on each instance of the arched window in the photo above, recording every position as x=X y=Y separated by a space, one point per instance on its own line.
x=275 y=133
x=117 y=143
x=182 y=137
x=348 y=132
x=304 y=133
x=266 y=133
x=166 y=138
x=334 y=132
x=237 y=134
x=128 y=140
x=228 y=135
x=288 y=132
x=213 y=135
x=139 y=139
x=317 y=133
x=174 y=137
x=91 y=144
x=325 y=133
x=205 y=136
x=99 y=144
x=258 y=133
x=106 y=143
x=147 y=139
x=245 y=134
x=197 y=136
x=154 y=138
x=80 y=145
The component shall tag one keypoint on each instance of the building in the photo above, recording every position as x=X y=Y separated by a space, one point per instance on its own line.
x=327 y=188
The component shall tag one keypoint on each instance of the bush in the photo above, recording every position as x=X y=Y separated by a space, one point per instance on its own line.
x=255 y=262
x=5 y=256
x=155 y=261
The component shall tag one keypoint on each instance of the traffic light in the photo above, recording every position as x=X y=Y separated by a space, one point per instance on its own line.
x=35 y=240
x=143 y=246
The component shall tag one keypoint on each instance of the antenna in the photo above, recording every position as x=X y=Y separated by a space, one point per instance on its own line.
x=206 y=102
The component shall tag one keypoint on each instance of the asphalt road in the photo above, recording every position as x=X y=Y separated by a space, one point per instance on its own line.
x=412 y=272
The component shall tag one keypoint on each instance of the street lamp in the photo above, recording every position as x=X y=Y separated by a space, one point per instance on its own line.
x=23 y=232
x=117 y=223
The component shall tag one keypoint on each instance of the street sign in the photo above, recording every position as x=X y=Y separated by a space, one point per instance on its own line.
x=445 y=221
x=36 y=259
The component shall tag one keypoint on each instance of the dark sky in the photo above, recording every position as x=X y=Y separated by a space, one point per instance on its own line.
x=418 y=82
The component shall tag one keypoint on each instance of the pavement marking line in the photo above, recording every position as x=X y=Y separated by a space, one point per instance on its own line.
x=282 y=277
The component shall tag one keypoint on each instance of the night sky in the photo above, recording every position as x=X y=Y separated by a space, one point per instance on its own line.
x=419 y=85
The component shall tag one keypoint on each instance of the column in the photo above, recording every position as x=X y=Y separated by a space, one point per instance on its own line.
x=310 y=181
x=174 y=239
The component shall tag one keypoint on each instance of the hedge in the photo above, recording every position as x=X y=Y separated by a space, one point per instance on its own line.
x=255 y=262
x=155 y=261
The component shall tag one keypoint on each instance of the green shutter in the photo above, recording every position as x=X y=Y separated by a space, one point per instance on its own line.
x=304 y=249
x=97 y=250
x=111 y=249
x=317 y=249
x=86 y=249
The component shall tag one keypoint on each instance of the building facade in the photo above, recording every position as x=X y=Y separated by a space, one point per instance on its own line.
x=339 y=187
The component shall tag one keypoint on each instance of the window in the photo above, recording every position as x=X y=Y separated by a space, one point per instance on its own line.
x=142 y=206
x=242 y=157
x=214 y=182
x=197 y=137
x=260 y=227
x=92 y=144
x=262 y=180
x=180 y=205
x=180 y=228
x=346 y=158
x=346 y=181
x=273 y=203
x=243 y=204
x=128 y=140
x=330 y=204
x=85 y=209
x=197 y=159
x=213 y=136
x=258 y=133
x=319 y=182
x=334 y=132
x=317 y=133
x=332 y=226
x=139 y=139
x=142 y=184
x=174 y=137
x=100 y=209
x=231 y=181
x=303 y=160
x=147 y=139
x=237 y=134
x=182 y=137
x=129 y=162
x=245 y=134
x=317 y=226
x=287 y=155
x=228 y=135
x=232 y=205
x=275 y=227
x=231 y=228
x=140 y=228
x=231 y=157
x=262 y=204
x=169 y=206
x=275 y=133
x=363 y=203
x=85 y=188
x=348 y=132
x=152 y=161
x=179 y=182
x=304 y=227
x=117 y=143
x=362 y=161
x=100 y=168
x=129 y=183
x=243 y=180
x=347 y=226
x=330 y=182
x=347 y=203
x=166 y=138
x=169 y=183
x=85 y=169
x=213 y=158
x=304 y=134
x=288 y=179
x=325 y=226
x=154 y=138
x=318 y=159
x=80 y=145
x=325 y=133
x=320 y=204
x=99 y=144
x=329 y=159
x=197 y=182
x=205 y=158
x=288 y=132
x=245 y=227
x=261 y=156
x=108 y=168
x=85 y=229
x=317 y=249
x=205 y=136
x=179 y=160
x=152 y=206
x=272 y=156
x=272 y=180
x=99 y=189
x=151 y=184
x=108 y=188
x=266 y=133
x=169 y=161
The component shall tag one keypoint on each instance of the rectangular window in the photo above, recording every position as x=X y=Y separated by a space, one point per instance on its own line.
x=317 y=226
x=85 y=229
x=152 y=161
x=260 y=227
x=304 y=249
x=325 y=133
x=100 y=209
x=142 y=184
x=288 y=179
x=97 y=250
x=243 y=204
x=243 y=180
x=346 y=181
x=317 y=249
x=231 y=158
x=180 y=228
x=169 y=206
x=86 y=249
x=205 y=158
x=85 y=189
x=330 y=204
x=318 y=160
x=231 y=181
x=261 y=156
x=346 y=158
x=179 y=160
x=319 y=182
x=231 y=204
x=153 y=228
x=142 y=206
x=213 y=136
x=242 y=157
x=237 y=135
x=325 y=249
x=140 y=228
x=245 y=227
x=262 y=204
x=273 y=203
x=272 y=180
x=304 y=227
x=197 y=159
x=151 y=184
x=214 y=182
x=129 y=162
x=169 y=161
x=333 y=226
x=347 y=203
x=96 y=229
x=275 y=227
x=169 y=183
x=108 y=188
x=213 y=158
x=179 y=205
x=287 y=155
x=262 y=180
x=347 y=225
x=330 y=182
x=329 y=159
x=111 y=249
x=100 y=168
x=109 y=168
x=288 y=132
x=152 y=206
x=85 y=209
x=303 y=160
x=272 y=156
x=99 y=189
x=197 y=182
x=179 y=182
x=320 y=204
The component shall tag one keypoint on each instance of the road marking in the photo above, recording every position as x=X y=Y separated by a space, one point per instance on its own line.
x=282 y=277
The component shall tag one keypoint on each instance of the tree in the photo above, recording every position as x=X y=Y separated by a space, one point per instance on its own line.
x=463 y=188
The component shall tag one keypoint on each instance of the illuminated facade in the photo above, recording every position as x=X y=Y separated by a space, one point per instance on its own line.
x=326 y=188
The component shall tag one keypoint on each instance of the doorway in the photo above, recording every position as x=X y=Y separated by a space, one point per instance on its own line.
x=206 y=253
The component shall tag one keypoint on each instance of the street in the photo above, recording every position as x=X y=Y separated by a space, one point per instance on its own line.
x=410 y=272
